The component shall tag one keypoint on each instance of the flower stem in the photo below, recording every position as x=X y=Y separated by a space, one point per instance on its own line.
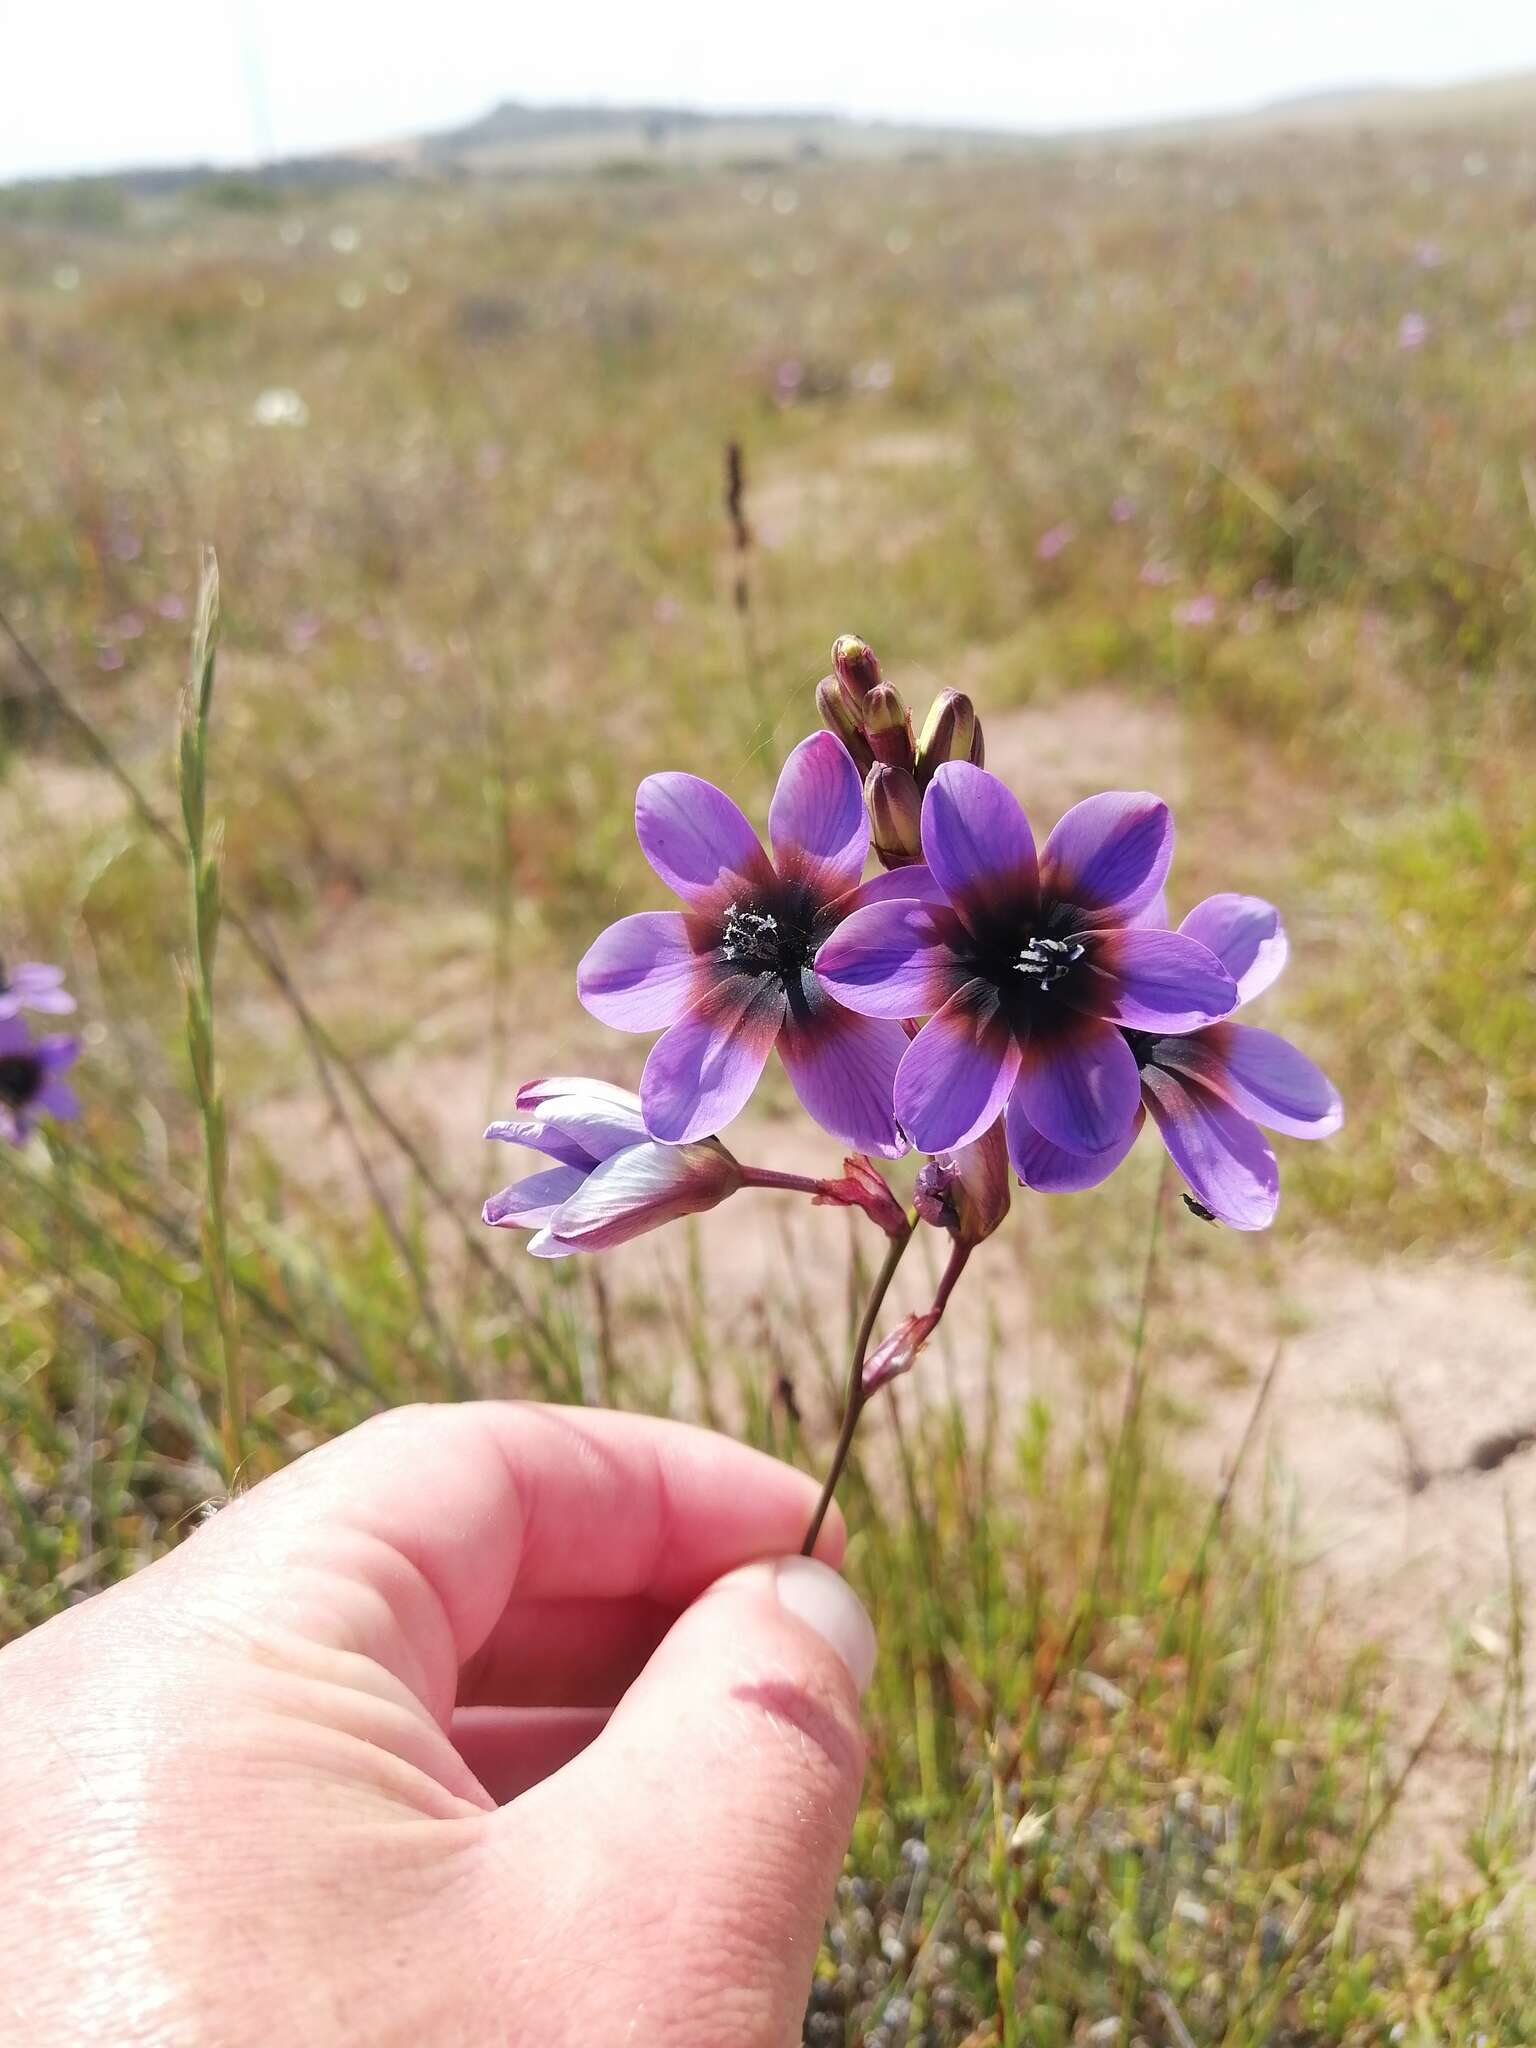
x=855 y=1397
x=793 y=1183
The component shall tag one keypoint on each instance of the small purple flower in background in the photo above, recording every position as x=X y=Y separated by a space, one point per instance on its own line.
x=611 y=1181
x=1412 y=331
x=1208 y=1090
x=1158 y=575
x=1196 y=611
x=1122 y=510
x=1027 y=968
x=30 y=1083
x=1055 y=541
x=731 y=976
x=32 y=986
x=966 y=1191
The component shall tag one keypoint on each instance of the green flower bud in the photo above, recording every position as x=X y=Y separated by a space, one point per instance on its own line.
x=895 y=815
x=888 y=727
x=838 y=716
x=856 y=666
x=948 y=732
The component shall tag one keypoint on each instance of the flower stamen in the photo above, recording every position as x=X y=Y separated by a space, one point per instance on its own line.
x=1049 y=961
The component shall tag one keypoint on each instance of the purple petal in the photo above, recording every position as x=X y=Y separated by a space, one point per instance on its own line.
x=894 y=959
x=534 y=1094
x=1109 y=855
x=816 y=823
x=977 y=842
x=55 y=1054
x=545 y=1245
x=58 y=1099
x=529 y=1204
x=15 y=1035
x=1078 y=1086
x=702 y=1070
x=1247 y=937
x=843 y=1068
x=645 y=971
x=957 y=1072
x=697 y=840
x=1223 y=1156
x=1261 y=1074
x=577 y=1129
x=1051 y=1169
x=642 y=1188
x=1153 y=916
x=896 y=884
x=1152 y=981
x=35 y=986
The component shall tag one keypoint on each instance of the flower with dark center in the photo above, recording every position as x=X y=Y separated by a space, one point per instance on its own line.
x=32 y=986
x=30 y=1083
x=1209 y=1090
x=732 y=975
x=610 y=1180
x=1027 y=969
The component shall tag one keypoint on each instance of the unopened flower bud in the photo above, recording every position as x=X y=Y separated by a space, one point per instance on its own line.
x=888 y=727
x=899 y=1351
x=838 y=716
x=895 y=815
x=948 y=732
x=978 y=747
x=856 y=666
x=966 y=1191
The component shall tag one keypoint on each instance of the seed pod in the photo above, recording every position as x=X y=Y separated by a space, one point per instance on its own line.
x=948 y=731
x=888 y=727
x=838 y=716
x=895 y=815
x=856 y=666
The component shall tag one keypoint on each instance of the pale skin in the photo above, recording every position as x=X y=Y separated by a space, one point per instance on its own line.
x=484 y=1724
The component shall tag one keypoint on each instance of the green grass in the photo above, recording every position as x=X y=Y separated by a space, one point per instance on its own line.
x=1123 y=1771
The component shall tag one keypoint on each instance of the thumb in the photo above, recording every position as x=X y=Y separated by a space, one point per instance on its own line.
x=723 y=1793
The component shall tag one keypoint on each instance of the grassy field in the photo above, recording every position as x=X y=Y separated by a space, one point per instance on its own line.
x=1210 y=466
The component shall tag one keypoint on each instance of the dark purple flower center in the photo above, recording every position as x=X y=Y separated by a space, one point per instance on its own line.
x=1030 y=957
x=774 y=931
x=21 y=1075
x=1143 y=1046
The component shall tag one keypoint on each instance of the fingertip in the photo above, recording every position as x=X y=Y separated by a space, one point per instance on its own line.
x=811 y=1592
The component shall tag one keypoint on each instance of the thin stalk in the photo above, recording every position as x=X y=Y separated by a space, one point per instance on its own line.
x=854 y=1396
x=203 y=861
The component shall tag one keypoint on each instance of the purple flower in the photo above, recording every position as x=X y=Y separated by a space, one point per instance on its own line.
x=1196 y=611
x=1412 y=331
x=30 y=1086
x=1029 y=967
x=731 y=976
x=1208 y=1091
x=32 y=986
x=610 y=1181
x=1055 y=541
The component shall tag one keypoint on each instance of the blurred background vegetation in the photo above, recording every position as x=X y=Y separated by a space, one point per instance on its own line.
x=1206 y=463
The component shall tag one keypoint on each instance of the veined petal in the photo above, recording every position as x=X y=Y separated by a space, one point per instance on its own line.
x=1259 y=1073
x=1051 y=1169
x=894 y=959
x=545 y=1245
x=957 y=1072
x=539 y=1137
x=702 y=1070
x=642 y=1188
x=533 y=1094
x=817 y=826
x=1152 y=981
x=843 y=1068
x=645 y=971
x=1247 y=937
x=578 y=1130
x=1109 y=855
x=977 y=842
x=916 y=883
x=1078 y=1085
x=1223 y=1156
x=697 y=840
x=529 y=1204
x=1153 y=916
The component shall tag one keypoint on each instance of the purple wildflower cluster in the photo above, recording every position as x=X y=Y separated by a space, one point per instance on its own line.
x=32 y=1067
x=985 y=1001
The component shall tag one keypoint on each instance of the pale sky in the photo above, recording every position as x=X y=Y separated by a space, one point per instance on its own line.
x=92 y=84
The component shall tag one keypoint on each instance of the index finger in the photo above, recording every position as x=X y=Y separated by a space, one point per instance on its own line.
x=408 y=1538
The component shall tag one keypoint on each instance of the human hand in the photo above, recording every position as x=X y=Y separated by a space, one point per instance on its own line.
x=453 y=1732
